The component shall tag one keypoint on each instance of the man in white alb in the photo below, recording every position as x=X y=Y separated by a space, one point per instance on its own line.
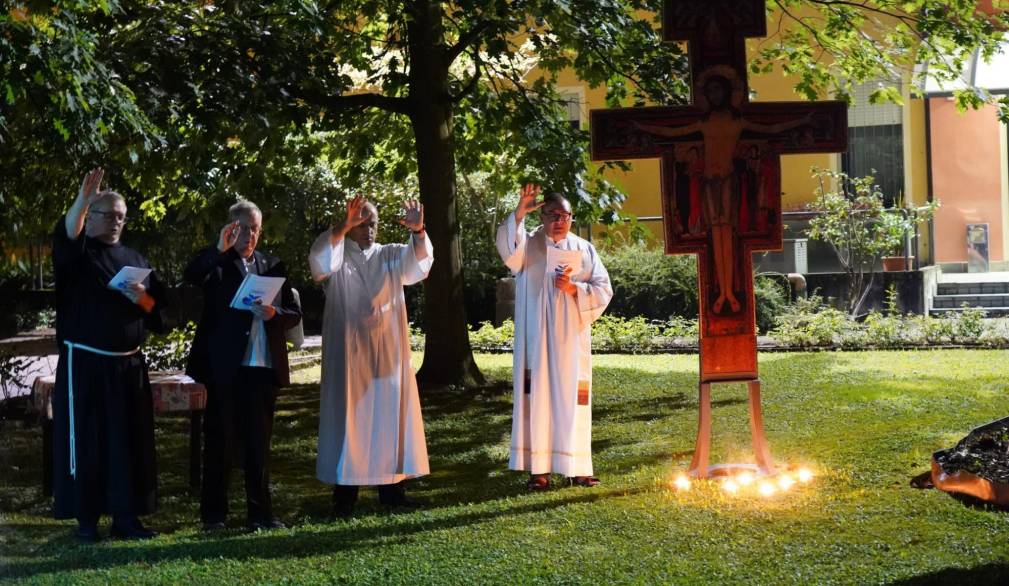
x=561 y=288
x=370 y=427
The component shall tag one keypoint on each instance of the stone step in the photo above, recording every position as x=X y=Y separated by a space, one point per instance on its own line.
x=991 y=288
x=983 y=301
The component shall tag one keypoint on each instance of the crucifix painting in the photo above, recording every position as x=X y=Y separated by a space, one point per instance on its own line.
x=720 y=173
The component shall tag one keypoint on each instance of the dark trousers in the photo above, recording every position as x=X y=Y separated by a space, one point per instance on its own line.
x=388 y=494
x=238 y=421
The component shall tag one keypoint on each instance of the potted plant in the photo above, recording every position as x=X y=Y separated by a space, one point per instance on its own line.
x=895 y=226
x=854 y=220
x=897 y=223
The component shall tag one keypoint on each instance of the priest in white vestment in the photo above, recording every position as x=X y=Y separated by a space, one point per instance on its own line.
x=370 y=426
x=561 y=288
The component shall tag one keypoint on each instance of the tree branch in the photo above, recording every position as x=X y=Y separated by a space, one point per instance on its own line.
x=343 y=103
x=466 y=39
x=471 y=84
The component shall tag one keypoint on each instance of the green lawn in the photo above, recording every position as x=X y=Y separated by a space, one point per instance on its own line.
x=866 y=421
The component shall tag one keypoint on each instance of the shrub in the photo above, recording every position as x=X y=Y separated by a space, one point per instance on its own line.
x=650 y=284
x=489 y=337
x=14 y=370
x=805 y=323
x=771 y=297
x=968 y=324
x=170 y=351
x=30 y=319
x=813 y=323
x=616 y=334
x=810 y=322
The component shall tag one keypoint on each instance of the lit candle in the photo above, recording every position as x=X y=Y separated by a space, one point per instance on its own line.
x=745 y=479
x=805 y=475
x=785 y=481
x=767 y=489
x=730 y=486
x=682 y=482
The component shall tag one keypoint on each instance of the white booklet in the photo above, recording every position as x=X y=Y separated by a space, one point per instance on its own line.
x=558 y=260
x=127 y=276
x=256 y=288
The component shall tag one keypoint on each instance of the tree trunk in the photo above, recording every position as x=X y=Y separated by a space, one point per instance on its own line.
x=448 y=357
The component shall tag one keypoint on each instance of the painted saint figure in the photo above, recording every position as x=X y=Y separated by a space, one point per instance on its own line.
x=720 y=129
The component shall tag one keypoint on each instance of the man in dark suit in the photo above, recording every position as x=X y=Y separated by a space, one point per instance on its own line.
x=241 y=356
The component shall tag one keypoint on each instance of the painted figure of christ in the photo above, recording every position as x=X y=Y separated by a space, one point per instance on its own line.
x=720 y=129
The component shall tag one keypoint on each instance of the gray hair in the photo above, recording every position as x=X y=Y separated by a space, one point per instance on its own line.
x=108 y=195
x=244 y=207
x=556 y=198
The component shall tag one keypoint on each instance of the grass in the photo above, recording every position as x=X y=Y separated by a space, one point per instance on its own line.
x=867 y=421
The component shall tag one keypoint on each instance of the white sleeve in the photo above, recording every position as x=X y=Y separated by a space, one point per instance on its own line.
x=594 y=294
x=325 y=258
x=511 y=243
x=417 y=259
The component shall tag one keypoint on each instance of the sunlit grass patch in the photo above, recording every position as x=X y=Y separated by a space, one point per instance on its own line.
x=864 y=421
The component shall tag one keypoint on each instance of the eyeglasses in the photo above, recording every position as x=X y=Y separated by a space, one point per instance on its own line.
x=110 y=216
x=559 y=217
x=243 y=229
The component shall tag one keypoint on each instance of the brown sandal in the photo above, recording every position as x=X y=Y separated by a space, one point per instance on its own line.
x=538 y=482
x=585 y=481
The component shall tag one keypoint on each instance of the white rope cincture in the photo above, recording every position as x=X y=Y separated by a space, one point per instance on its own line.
x=70 y=391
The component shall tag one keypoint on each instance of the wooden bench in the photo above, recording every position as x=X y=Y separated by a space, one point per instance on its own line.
x=172 y=393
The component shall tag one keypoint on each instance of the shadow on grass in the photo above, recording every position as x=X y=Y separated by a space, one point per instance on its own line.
x=338 y=536
x=997 y=573
x=468 y=442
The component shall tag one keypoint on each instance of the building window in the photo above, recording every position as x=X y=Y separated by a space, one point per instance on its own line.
x=574 y=102
x=875 y=143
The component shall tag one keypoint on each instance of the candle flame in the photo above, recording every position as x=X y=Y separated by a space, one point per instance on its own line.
x=682 y=483
x=805 y=475
x=767 y=489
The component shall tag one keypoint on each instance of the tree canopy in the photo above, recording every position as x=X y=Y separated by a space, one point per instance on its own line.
x=295 y=104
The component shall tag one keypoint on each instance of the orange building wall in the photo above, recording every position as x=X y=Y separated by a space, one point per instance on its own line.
x=965 y=178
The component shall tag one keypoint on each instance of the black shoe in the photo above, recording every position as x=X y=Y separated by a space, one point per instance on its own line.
x=130 y=528
x=88 y=533
x=398 y=500
x=214 y=526
x=343 y=510
x=404 y=503
x=266 y=525
x=344 y=499
x=394 y=496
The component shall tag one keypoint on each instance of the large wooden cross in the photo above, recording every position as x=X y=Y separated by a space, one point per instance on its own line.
x=721 y=175
x=721 y=193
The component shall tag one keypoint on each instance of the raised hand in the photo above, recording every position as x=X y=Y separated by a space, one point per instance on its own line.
x=527 y=201
x=91 y=186
x=228 y=236
x=413 y=215
x=357 y=212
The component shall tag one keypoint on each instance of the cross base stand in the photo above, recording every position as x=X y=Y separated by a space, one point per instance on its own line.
x=699 y=467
